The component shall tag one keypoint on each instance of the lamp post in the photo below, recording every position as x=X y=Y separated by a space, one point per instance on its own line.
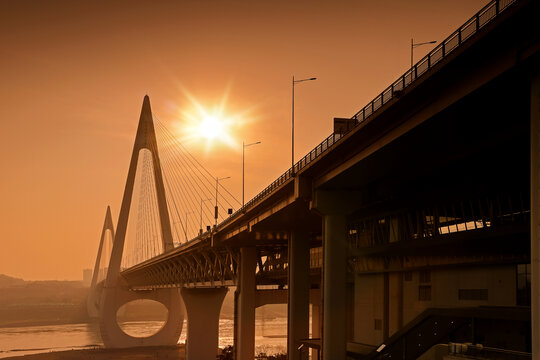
x=216 y=208
x=200 y=224
x=186 y=225
x=244 y=146
x=294 y=82
x=413 y=45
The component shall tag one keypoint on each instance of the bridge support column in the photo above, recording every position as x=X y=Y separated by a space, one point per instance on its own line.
x=203 y=307
x=334 y=205
x=298 y=294
x=246 y=305
x=535 y=214
x=334 y=341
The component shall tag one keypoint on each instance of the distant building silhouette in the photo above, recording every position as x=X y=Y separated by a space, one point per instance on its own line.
x=87 y=277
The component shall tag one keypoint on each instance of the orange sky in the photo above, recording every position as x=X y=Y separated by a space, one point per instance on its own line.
x=73 y=75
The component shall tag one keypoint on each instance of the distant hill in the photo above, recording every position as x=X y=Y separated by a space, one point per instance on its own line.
x=29 y=303
x=8 y=281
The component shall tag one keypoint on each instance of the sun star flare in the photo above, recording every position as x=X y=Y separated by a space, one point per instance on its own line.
x=212 y=126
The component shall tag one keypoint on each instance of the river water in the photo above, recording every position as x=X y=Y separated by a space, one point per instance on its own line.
x=16 y=341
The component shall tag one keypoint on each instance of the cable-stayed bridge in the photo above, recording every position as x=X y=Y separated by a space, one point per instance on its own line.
x=423 y=199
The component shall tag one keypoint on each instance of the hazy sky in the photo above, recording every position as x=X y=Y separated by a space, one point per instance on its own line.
x=73 y=75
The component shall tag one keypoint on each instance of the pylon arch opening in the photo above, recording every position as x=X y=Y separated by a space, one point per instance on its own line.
x=142 y=318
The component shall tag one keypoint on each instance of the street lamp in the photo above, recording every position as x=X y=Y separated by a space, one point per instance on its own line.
x=186 y=225
x=294 y=82
x=244 y=146
x=217 y=184
x=200 y=224
x=413 y=45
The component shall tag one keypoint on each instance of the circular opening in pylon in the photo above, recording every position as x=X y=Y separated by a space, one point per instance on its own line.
x=142 y=318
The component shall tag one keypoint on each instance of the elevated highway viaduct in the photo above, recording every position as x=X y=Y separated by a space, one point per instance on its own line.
x=423 y=200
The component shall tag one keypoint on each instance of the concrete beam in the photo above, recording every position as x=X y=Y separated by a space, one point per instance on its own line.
x=303 y=187
x=335 y=201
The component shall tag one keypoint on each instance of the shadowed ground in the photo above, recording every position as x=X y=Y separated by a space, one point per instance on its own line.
x=149 y=353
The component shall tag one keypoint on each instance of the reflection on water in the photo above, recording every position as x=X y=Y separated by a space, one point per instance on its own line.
x=36 y=339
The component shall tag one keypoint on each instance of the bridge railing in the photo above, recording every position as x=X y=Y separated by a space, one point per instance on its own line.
x=469 y=28
x=441 y=51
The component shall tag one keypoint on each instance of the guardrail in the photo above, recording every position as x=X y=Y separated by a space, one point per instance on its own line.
x=447 y=46
x=468 y=351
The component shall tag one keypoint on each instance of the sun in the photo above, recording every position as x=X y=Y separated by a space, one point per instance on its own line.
x=211 y=127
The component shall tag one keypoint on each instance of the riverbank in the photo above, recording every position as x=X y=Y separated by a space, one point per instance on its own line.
x=142 y=353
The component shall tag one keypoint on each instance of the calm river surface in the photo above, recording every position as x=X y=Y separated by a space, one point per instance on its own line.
x=18 y=341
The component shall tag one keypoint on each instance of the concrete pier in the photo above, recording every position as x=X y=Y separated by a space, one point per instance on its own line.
x=334 y=207
x=246 y=304
x=334 y=287
x=299 y=284
x=203 y=306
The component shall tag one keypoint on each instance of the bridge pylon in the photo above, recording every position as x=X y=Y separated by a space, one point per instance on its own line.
x=92 y=302
x=116 y=291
